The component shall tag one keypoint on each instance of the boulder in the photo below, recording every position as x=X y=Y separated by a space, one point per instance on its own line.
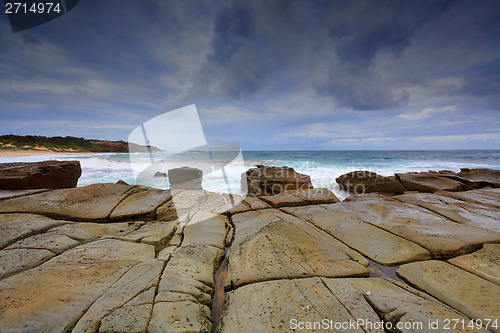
x=185 y=178
x=38 y=175
x=270 y=180
x=360 y=182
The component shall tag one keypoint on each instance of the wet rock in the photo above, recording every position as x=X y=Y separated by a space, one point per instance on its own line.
x=484 y=263
x=39 y=175
x=270 y=180
x=288 y=248
x=428 y=182
x=382 y=246
x=87 y=203
x=468 y=293
x=360 y=182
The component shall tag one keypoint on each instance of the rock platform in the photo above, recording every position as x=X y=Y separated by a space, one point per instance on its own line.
x=116 y=258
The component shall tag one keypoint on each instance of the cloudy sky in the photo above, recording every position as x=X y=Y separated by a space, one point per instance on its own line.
x=266 y=75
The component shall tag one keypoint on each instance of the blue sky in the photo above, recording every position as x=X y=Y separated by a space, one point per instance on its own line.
x=266 y=75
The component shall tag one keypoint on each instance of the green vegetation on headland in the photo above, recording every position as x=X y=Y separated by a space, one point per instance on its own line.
x=65 y=144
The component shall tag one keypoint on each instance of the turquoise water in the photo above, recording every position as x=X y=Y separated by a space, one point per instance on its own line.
x=322 y=166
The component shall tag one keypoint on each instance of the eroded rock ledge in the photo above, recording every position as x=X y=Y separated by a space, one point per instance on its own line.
x=115 y=257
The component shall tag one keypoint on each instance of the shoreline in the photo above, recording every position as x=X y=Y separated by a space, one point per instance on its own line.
x=22 y=153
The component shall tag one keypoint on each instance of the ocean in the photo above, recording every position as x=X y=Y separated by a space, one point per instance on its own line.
x=322 y=166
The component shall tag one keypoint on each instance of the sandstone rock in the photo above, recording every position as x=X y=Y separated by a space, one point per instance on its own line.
x=284 y=200
x=133 y=317
x=485 y=196
x=381 y=246
x=455 y=210
x=196 y=262
x=473 y=296
x=269 y=180
x=315 y=196
x=6 y=194
x=157 y=234
x=180 y=317
x=441 y=237
x=428 y=182
x=398 y=306
x=487 y=177
x=142 y=203
x=18 y=260
x=360 y=182
x=137 y=280
x=255 y=203
x=206 y=229
x=53 y=296
x=484 y=263
x=87 y=203
x=39 y=175
x=288 y=248
x=185 y=178
x=272 y=306
x=14 y=227
x=48 y=241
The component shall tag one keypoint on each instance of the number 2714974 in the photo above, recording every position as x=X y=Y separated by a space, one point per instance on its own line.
x=32 y=8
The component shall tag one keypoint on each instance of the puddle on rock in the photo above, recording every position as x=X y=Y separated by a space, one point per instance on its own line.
x=219 y=294
x=383 y=272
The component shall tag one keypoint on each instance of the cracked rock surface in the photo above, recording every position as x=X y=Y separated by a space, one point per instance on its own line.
x=116 y=258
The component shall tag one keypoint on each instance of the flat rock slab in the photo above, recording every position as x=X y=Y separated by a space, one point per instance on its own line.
x=196 y=262
x=157 y=234
x=53 y=242
x=18 y=260
x=180 y=317
x=300 y=304
x=87 y=203
x=442 y=237
x=53 y=296
x=143 y=203
x=14 y=227
x=381 y=246
x=6 y=194
x=140 y=278
x=484 y=263
x=466 y=292
x=485 y=196
x=459 y=211
x=428 y=182
x=287 y=247
x=206 y=229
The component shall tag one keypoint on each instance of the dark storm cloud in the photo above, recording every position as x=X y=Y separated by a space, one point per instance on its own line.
x=257 y=43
